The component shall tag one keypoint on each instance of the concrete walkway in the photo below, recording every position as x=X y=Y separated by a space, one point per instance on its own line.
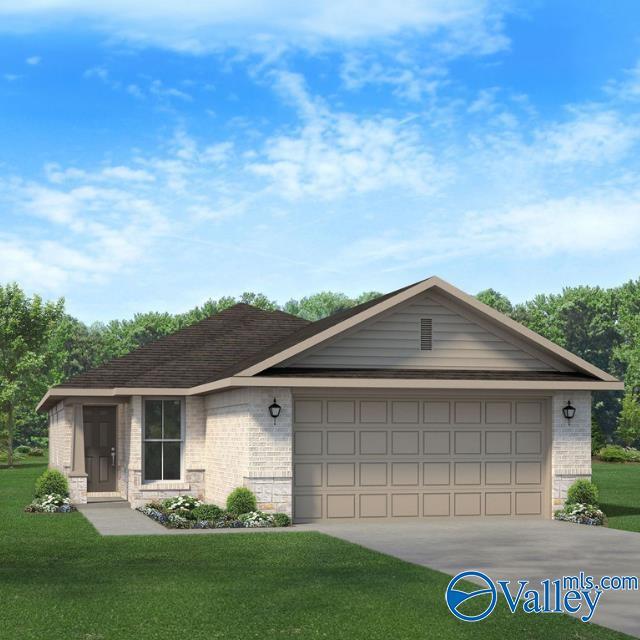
x=513 y=550
x=119 y=519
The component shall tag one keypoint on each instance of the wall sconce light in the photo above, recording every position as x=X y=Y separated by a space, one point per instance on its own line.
x=274 y=410
x=568 y=411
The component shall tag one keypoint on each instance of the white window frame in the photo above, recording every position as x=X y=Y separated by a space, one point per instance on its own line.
x=181 y=440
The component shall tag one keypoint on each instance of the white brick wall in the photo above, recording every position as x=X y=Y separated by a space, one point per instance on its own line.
x=245 y=448
x=60 y=437
x=571 y=447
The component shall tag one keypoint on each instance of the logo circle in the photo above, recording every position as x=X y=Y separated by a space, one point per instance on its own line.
x=455 y=597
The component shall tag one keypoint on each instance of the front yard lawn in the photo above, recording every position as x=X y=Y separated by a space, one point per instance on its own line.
x=60 y=579
x=619 y=486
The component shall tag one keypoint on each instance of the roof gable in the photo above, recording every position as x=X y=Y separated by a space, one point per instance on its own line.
x=460 y=341
x=329 y=328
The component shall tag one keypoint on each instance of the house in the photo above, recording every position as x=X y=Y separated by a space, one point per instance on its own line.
x=421 y=403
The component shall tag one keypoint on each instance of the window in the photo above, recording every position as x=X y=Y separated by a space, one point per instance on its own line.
x=162 y=439
x=426 y=334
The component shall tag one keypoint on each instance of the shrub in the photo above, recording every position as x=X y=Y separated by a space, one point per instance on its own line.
x=241 y=500
x=36 y=452
x=582 y=492
x=182 y=504
x=24 y=449
x=281 y=520
x=581 y=514
x=597 y=437
x=613 y=453
x=206 y=512
x=51 y=482
x=255 y=519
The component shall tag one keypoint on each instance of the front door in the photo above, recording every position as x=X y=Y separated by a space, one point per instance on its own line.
x=100 y=447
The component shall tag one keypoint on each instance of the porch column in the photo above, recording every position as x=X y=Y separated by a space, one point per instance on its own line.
x=77 y=459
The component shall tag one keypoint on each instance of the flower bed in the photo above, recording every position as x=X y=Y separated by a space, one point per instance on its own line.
x=582 y=514
x=51 y=503
x=187 y=512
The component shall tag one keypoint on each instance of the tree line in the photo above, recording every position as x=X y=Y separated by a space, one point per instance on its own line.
x=42 y=345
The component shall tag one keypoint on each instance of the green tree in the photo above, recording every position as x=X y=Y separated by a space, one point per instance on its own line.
x=326 y=303
x=26 y=325
x=628 y=430
x=497 y=300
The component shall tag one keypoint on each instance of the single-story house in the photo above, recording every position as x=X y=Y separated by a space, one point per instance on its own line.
x=421 y=403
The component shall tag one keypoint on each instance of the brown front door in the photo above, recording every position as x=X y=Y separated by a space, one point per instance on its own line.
x=100 y=447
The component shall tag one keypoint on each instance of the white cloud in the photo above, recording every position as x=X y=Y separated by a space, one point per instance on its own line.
x=337 y=154
x=591 y=223
x=269 y=26
x=33 y=60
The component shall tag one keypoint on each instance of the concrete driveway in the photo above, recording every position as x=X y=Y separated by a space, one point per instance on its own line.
x=513 y=550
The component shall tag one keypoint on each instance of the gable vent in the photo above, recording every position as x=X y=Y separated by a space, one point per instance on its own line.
x=426 y=334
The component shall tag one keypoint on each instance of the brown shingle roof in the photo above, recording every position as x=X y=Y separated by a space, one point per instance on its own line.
x=212 y=349
x=196 y=354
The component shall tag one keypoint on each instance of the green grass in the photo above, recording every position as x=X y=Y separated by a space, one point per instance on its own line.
x=619 y=486
x=60 y=579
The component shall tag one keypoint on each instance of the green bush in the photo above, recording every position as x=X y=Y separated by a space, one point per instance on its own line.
x=36 y=452
x=613 y=453
x=208 y=512
x=24 y=449
x=51 y=481
x=281 y=520
x=582 y=492
x=241 y=500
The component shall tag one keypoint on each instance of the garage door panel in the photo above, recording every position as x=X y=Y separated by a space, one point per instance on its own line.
x=497 y=503
x=395 y=458
x=498 y=443
x=307 y=443
x=467 y=442
x=436 y=473
x=497 y=473
x=437 y=443
x=404 y=505
x=437 y=412
x=405 y=442
x=341 y=474
x=528 y=503
x=528 y=442
x=341 y=443
x=373 y=474
x=341 y=411
x=436 y=504
x=373 y=443
x=373 y=505
x=373 y=411
x=498 y=412
x=405 y=412
x=467 y=473
x=528 y=473
x=467 y=504
x=308 y=474
x=404 y=474
x=308 y=506
x=341 y=506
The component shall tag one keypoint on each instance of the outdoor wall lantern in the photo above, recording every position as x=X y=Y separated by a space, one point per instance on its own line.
x=274 y=410
x=568 y=411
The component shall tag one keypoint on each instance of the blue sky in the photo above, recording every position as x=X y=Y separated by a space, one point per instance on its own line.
x=154 y=154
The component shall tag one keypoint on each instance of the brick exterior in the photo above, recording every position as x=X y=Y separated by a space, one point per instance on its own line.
x=571 y=442
x=60 y=437
x=245 y=448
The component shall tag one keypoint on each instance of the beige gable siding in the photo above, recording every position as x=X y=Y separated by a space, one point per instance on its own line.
x=393 y=341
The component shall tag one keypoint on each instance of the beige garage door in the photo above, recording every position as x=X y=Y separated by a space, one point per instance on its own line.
x=398 y=458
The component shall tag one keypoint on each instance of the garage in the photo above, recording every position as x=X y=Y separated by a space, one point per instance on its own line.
x=404 y=457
